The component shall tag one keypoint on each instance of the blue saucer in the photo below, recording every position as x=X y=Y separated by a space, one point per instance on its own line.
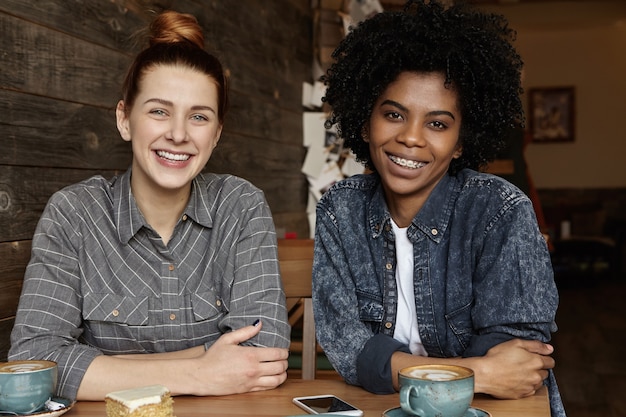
x=472 y=412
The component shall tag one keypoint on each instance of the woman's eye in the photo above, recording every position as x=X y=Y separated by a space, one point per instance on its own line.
x=438 y=125
x=158 y=112
x=199 y=118
x=394 y=115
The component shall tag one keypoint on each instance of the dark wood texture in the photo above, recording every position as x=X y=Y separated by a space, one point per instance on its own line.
x=63 y=64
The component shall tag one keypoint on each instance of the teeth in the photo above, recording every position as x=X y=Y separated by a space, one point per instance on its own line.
x=406 y=162
x=173 y=156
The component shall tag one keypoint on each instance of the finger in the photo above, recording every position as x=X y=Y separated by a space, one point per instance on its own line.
x=269 y=382
x=272 y=354
x=548 y=362
x=273 y=368
x=241 y=335
x=535 y=346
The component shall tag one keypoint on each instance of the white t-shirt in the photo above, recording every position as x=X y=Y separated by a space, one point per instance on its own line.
x=406 y=330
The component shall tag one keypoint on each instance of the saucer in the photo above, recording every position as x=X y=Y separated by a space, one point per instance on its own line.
x=55 y=407
x=471 y=412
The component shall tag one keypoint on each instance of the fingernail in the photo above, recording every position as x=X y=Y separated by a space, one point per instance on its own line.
x=257 y=322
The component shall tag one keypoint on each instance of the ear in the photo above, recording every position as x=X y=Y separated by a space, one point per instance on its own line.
x=123 y=125
x=218 y=136
x=365 y=133
x=458 y=152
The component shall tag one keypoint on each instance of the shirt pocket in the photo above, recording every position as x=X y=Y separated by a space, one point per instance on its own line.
x=207 y=305
x=370 y=308
x=113 y=308
x=460 y=323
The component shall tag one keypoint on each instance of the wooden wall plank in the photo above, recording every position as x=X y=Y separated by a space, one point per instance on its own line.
x=40 y=130
x=15 y=256
x=48 y=63
x=106 y=23
x=5 y=331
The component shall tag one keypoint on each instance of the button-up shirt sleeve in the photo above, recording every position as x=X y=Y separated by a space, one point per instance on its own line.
x=48 y=323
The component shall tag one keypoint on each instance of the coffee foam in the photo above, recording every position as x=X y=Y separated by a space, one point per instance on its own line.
x=22 y=367
x=434 y=374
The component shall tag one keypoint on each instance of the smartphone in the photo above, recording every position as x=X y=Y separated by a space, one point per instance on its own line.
x=326 y=404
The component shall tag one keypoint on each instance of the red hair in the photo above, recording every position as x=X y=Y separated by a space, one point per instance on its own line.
x=176 y=39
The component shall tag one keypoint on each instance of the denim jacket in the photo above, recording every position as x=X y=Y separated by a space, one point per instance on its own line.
x=482 y=275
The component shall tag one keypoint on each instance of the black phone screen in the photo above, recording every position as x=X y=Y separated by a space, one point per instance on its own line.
x=327 y=404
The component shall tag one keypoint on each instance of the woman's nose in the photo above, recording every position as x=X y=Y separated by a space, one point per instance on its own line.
x=412 y=135
x=178 y=130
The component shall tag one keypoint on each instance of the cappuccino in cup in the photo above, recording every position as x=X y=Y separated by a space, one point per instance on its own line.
x=25 y=386
x=436 y=390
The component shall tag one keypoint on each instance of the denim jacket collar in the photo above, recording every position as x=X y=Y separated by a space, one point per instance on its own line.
x=432 y=220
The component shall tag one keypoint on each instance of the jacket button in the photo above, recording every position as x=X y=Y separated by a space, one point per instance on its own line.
x=388 y=325
x=434 y=232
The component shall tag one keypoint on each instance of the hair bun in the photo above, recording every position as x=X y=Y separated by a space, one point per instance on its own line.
x=172 y=27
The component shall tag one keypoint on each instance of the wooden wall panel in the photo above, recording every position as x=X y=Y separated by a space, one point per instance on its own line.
x=63 y=63
x=14 y=257
x=41 y=130
x=45 y=62
x=24 y=192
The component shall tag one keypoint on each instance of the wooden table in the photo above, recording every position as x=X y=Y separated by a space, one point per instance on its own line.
x=278 y=403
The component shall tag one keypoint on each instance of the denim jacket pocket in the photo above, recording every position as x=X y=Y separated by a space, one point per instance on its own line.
x=207 y=305
x=370 y=308
x=460 y=323
x=113 y=308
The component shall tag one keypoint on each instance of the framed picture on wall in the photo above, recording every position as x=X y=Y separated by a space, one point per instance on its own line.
x=552 y=114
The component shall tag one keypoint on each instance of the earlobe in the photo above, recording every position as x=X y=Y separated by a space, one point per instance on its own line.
x=218 y=136
x=122 y=121
x=458 y=152
x=365 y=134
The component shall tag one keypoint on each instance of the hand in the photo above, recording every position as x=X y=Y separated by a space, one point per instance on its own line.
x=514 y=369
x=228 y=368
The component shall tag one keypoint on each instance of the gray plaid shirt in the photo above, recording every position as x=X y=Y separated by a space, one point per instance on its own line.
x=101 y=281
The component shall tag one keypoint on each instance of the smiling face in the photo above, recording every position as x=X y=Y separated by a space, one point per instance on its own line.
x=173 y=127
x=413 y=136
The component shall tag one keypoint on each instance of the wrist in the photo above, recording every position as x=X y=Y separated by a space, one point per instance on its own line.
x=481 y=374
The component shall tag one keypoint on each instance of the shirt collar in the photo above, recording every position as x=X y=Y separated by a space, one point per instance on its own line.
x=128 y=217
x=433 y=218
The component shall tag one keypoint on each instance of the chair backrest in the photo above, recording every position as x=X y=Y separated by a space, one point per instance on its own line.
x=296 y=265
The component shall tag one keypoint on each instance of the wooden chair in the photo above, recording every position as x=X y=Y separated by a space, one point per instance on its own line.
x=296 y=265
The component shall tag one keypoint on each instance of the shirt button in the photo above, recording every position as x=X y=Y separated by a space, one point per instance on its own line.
x=388 y=266
x=115 y=313
x=184 y=217
x=218 y=303
x=172 y=316
x=388 y=325
x=434 y=232
x=171 y=267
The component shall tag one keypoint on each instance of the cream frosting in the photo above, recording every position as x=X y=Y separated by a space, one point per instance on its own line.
x=136 y=397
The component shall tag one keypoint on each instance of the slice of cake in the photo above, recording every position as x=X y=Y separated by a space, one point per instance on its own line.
x=151 y=401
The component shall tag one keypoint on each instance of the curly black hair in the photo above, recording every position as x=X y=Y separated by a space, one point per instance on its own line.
x=472 y=49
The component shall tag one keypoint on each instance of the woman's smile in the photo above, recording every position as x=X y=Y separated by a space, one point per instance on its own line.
x=173 y=157
x=406 y=163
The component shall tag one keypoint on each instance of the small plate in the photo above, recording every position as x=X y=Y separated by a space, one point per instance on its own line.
x=472 y=412
x=48 y=411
